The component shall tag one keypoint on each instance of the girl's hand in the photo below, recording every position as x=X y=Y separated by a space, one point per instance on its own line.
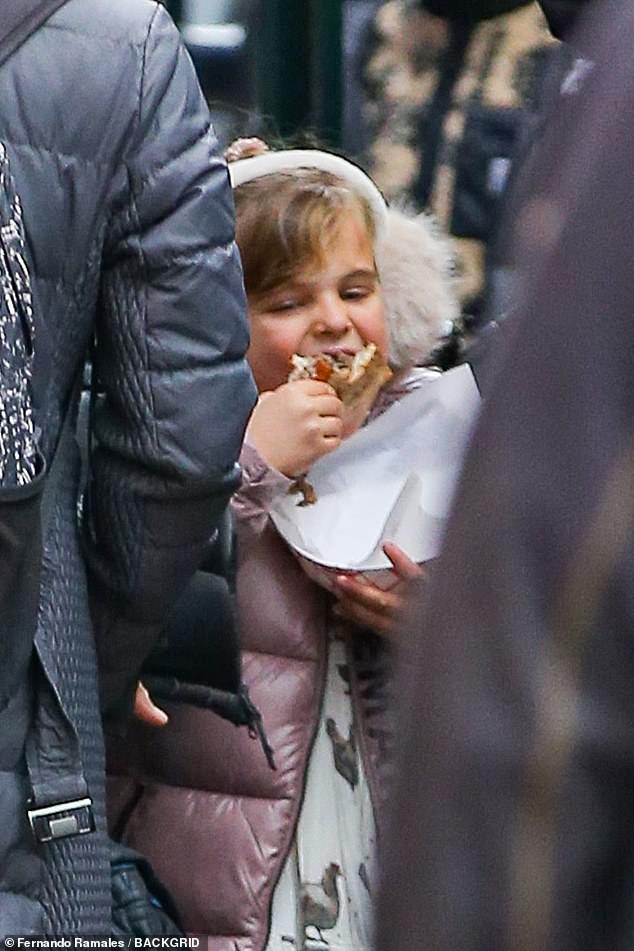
x=369 y=606
x=146 y=710
x=295 y=425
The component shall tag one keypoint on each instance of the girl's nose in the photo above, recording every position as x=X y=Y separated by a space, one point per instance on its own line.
x=331 y=316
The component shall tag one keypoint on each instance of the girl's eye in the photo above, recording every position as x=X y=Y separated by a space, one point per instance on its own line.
x=277 y=307
x=356 y=293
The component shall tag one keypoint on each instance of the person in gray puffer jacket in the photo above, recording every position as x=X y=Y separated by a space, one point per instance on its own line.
x=129 y=220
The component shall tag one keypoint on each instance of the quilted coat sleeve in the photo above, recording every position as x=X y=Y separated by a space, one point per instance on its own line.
x=259 y=487
x=175 y=387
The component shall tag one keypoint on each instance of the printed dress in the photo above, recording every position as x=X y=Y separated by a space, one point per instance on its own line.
x=323 y=897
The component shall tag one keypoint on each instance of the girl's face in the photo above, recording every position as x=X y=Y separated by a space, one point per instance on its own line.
x=335 y=307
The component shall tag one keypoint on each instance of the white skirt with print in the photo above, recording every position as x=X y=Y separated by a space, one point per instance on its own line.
x=323 y=898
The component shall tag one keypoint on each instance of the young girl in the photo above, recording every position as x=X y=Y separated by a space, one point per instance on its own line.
x=260 y=859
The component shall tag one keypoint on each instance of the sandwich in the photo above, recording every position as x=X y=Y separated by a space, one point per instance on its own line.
x=356 y=378
x=351 y=375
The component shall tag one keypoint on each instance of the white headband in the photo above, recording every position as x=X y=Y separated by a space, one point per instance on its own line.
x=246 y=169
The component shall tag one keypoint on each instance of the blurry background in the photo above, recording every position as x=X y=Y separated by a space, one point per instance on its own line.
x=279 y=67
x=437 y=99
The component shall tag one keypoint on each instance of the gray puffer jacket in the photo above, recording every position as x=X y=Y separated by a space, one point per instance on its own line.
x=129 y=221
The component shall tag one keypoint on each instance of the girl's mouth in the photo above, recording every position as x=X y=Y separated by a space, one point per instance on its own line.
x=339 y=351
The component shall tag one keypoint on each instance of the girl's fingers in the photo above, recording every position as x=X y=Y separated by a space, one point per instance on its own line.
x=314 y=388
x=404 y=567
x=359 y=614
x=331 y=427
x=369 y=596
x=370 y=606
x=331 y=443
x=329 y=406
x=146 y=710
x=351 y=610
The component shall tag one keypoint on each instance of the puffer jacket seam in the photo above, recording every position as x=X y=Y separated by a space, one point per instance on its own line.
x=146 y=179
x=144 y=289
x=137 y=217
x=137 y=221
x=57 y=153
x=138 y=112
x=87 y=35
x=136 y=567
x=292 y=657
x=144 y=58
x=147 y=783
x=193 y=258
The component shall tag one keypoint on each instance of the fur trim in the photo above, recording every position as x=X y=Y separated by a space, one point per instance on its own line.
x=415 y=266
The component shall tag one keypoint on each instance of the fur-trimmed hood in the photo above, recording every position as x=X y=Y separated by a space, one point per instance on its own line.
x=415 y=265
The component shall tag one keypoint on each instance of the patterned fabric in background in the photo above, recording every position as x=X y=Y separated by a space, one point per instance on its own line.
x=17 y=441
x=445 y=102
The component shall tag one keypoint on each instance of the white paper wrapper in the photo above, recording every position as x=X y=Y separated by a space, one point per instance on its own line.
x=392 y=481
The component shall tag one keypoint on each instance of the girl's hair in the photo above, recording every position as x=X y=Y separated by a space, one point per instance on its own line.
x=286 y=221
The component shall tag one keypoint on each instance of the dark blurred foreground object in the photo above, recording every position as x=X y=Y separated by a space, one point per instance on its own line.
x=469 y=9
x=566 y=67
x=130 y=230
x=562 y=15
x=451 y=90
x=512 y=825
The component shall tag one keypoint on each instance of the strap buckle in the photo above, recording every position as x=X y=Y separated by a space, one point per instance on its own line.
x=62 y=820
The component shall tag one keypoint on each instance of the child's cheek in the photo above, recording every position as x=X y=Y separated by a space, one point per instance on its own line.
x=378 y=332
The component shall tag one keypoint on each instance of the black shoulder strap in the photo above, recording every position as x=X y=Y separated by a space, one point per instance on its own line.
x=20 y=20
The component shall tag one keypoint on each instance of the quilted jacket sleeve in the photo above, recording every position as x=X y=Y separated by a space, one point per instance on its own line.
x=175 y=388
x=259 y=487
